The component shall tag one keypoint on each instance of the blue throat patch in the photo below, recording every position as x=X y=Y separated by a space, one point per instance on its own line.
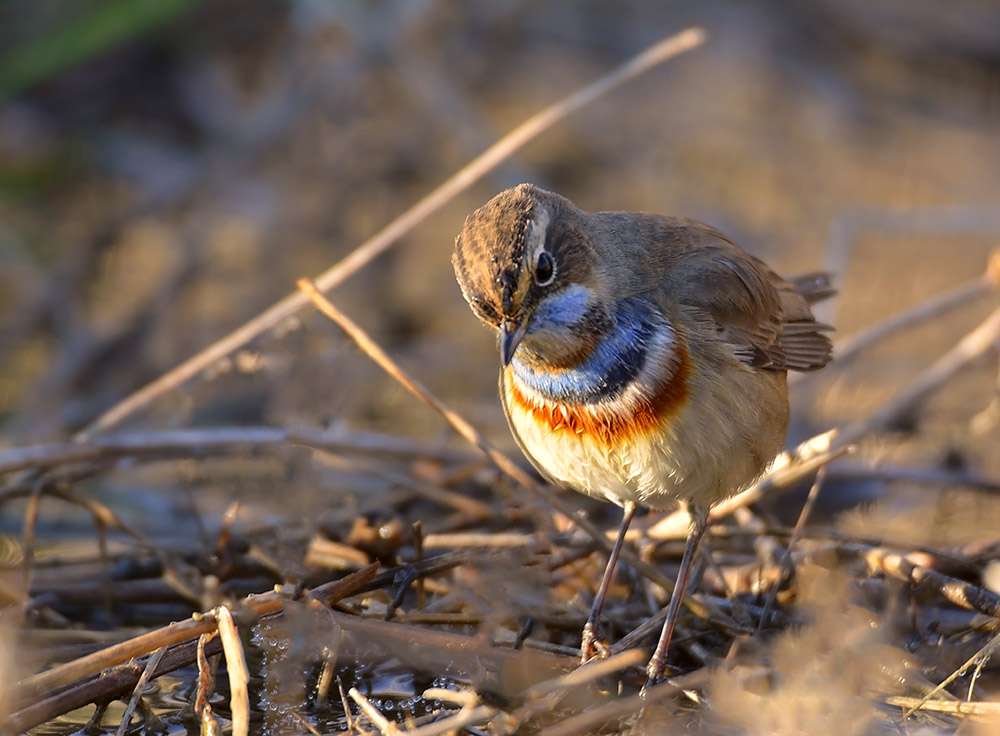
x=603 y=376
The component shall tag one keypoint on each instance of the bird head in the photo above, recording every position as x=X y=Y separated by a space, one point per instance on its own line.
x=528 y=269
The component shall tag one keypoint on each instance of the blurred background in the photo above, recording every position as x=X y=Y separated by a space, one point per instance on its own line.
x=169 y=168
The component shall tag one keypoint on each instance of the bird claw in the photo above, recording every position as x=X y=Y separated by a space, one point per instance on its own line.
x=594 y=643
x=655 y=674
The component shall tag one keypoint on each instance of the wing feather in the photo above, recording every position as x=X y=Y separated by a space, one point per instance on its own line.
x=764 y=318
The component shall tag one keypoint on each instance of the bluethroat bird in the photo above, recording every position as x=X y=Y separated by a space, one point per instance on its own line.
x=643 y=357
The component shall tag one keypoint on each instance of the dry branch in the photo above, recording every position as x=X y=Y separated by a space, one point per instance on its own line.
x=962 y=594
x=140 y=686
x=171 y=444
x=969 y=349
x=258 y=605
x=845 y=350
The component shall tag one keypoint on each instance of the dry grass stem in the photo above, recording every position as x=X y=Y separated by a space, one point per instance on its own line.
x=976 y=660
x=382 y=359
x=590 y=720
x=137 y=691
x=480 y=539
x=587 y=673
x=333 y=555
x=953 y=707
x=383 y=724
x=969 y=349
x=305 y=724
x=207 y=442
x=236 y=667
x=462 y=698
x=206 y=678
x=454 y=724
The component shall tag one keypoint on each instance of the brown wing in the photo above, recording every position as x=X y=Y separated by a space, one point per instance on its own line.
x=764 y=318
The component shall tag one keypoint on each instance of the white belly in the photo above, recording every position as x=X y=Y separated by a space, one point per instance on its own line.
x=703 y=455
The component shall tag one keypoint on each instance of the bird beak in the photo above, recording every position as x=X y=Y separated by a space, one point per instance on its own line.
x=511 y=334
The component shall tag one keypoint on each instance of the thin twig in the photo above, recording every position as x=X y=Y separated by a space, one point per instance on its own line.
x=955 y=707
x=587 y=673
x=978 y=658
x=140 y=687
x=304 y=723
x=376 y=353
x=348 y=715
x=171 y=444
x=785 y=567
x=969 y=349
x=209 y=724
x=385 y=727
x=236 y=667
x=381 y=241
x=454 y=724
x=480 y=539
x=845 y=350
x=461 y=698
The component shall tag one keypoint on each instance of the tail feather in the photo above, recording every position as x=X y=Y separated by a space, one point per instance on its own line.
x=813 y=287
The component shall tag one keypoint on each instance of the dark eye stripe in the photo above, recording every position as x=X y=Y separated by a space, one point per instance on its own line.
x=483 y=309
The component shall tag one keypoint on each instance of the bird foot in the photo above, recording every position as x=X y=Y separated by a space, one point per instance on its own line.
x=594 y=643
x=655 y=672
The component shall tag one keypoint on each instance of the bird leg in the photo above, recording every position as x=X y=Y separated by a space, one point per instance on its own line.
x=658 y=662
x=593 y=633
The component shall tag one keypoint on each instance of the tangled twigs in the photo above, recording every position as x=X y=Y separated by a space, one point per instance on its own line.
x=33 y=696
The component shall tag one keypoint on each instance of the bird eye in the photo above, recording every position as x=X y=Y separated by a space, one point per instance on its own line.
x=545 y=269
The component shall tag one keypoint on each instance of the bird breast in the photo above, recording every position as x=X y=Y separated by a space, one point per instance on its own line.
x=636 y=421
x=633 y=380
